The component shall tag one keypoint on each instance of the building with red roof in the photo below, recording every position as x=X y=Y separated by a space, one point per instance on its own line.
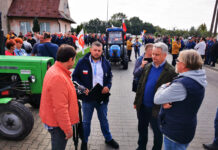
x=53 y=15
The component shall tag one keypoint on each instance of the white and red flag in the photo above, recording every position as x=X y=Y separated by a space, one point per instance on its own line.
x=80 y=42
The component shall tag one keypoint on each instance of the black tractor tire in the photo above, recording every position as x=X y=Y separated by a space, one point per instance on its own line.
x=125 y=60
x=35 y=100
x=16 y=121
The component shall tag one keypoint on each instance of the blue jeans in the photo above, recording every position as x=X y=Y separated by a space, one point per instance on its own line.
x=137 y=52
x=58 y=140
x=144 y=118
x=216 y=128
x=88 y=109
x=171 y=145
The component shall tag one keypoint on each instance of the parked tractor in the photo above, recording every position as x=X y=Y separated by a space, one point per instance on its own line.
x=21 y=79
x=115 y=50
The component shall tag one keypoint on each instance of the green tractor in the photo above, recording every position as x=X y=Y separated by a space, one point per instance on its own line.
x=21 y=79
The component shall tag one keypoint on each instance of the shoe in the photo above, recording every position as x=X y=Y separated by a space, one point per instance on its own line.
x=212 y=65
x=210 y=146
x=112 y=143
x=84 y=146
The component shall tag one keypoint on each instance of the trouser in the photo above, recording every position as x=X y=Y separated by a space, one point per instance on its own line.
x=137 y=52
x=216 y=128
x=88 y=109
x=144 y=118
x=172 y=145
x=129 y=52
x=174 y=59
x=58 y=141
x=214 y=58
x=207 y=57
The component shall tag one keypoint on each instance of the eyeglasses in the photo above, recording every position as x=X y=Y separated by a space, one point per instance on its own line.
x=177 y=60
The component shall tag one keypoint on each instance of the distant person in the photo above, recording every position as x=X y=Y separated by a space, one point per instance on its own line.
x=176 y=45
x=27 y=46
x=47 y=48
x=10 y=44
x=214 y=54
x=140 y=64
x=214 y=145
x=18 y=50
x=181 y=100
x=191 y=43
x=59 y=105
x=153 y=76
x=137 y=46
x=129 y=48
x=30 y=39
x=201 y=47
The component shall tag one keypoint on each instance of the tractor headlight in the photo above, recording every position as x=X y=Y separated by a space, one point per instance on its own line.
x=14 y=78
x=32 y=79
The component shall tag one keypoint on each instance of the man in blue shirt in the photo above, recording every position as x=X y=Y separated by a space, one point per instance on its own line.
x=94 y=69
x=47 y=48
x=153 y=76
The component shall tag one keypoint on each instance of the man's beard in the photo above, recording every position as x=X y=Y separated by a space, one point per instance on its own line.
x=93 y=58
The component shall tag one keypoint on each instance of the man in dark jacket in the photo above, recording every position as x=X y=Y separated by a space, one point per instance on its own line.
x=153 y=76
x=214 y=54
x=94 y=69
x=181 y=101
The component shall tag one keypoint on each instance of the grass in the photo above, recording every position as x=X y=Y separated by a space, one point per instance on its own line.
x=80 y=55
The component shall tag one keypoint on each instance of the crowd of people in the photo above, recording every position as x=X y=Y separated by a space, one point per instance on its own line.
x=167 y=98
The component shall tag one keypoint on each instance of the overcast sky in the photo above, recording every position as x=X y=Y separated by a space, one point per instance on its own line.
x=181 y=14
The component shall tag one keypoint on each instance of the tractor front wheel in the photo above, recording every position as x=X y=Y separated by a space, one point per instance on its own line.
x=16 y=121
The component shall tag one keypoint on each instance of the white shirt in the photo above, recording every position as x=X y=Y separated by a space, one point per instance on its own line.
x=201 y=47
x=97 y=72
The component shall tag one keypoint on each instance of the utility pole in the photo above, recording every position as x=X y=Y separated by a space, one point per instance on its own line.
x=2 y=41
x=215 y=13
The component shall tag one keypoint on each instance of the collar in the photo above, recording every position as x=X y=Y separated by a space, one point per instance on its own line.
x=161 y=65
x=59 y=65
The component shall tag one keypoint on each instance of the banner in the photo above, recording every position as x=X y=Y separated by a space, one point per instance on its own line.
x=80 y=42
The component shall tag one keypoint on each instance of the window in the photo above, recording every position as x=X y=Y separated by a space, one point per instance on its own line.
x=24 y=27
x=44 y=27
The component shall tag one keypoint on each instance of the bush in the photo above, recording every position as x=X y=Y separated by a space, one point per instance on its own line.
x=80 y=55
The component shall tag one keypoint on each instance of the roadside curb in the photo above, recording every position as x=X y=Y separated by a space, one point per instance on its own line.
x=212 y=68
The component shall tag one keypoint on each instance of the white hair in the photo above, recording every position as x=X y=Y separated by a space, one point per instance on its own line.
x=162 y=46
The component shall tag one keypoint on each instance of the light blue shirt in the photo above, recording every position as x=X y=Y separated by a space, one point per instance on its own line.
x=20 y=52
x=97 y=72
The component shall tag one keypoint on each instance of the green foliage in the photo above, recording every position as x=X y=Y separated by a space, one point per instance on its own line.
x=36 y=27
x=80 y=55
x=116 y=19
x=135 y=25
x=79 y=28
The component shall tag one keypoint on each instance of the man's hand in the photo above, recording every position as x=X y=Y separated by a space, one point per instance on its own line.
x=86 y=92
x=144 y=63
x=167 y=106
x=105 y=90
x=69 y=135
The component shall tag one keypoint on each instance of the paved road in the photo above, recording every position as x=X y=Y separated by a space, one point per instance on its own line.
x=123 y=120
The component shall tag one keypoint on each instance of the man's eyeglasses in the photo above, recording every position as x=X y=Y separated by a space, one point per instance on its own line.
x=177 y=60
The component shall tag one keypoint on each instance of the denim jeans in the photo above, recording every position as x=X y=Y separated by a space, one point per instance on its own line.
x=171 y=145
x=137 y=52
x=88 y=109
x=58 y=140
x=216 y=128
x=144 y=118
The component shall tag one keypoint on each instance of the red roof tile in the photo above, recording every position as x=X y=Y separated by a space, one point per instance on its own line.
x=37 y=8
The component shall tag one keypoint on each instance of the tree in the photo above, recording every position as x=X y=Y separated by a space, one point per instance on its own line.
x=116 y=19
x=136 y=25
x=36 y=27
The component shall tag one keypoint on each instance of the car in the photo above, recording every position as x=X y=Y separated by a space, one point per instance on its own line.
x=115 y=50
x=21 y=80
